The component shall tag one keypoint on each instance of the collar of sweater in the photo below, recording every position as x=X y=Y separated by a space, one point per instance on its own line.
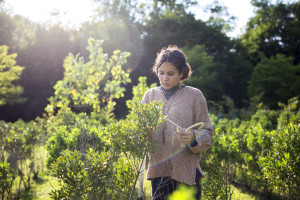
x=169 y=93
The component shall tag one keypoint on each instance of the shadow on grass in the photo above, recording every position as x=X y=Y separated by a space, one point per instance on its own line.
x=40 y=188
x=258 y=195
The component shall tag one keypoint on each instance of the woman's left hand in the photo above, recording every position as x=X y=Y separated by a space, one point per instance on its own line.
x=185 y=137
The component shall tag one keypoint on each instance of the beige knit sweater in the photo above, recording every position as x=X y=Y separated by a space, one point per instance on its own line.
x=186 y=107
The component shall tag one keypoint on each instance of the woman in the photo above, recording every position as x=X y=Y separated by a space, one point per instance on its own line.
x=170 y=163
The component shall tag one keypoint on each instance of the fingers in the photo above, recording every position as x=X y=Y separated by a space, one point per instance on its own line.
x=184 y=137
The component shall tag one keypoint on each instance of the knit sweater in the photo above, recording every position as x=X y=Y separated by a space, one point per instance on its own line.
x=186 y=107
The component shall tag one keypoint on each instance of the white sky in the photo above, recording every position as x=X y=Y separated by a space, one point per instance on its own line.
x=241 y=9
x=73 y=12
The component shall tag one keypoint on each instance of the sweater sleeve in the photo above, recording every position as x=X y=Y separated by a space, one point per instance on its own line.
x=204 y=135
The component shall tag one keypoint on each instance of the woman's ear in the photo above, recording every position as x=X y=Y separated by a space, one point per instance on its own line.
x=181 y=75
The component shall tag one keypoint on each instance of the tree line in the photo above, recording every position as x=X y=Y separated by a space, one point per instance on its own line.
x=261 y=66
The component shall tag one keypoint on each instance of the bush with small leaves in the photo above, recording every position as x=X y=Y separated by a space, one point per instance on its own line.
x=7 y=177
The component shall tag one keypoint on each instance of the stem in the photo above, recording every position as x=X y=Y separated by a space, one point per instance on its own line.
x=137 y=176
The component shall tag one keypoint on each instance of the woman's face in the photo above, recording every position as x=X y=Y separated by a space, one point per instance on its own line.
x=168 y=75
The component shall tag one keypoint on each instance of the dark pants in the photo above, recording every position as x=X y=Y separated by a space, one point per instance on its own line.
x=163 y=186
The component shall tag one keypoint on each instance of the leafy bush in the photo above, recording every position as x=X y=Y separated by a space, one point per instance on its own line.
x=85 y=144
x=91 y=86
x=84 y=176
x=261 y=154
x=7 y=177
x=79 y=132
x=220 y=162
x=267 y=119
x=19 y=142
x=78 y=151
x=281 y=167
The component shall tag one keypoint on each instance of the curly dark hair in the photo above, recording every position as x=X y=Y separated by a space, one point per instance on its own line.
x=174 y=55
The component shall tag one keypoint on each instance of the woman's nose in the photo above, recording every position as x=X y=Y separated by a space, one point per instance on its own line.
x=165 y=77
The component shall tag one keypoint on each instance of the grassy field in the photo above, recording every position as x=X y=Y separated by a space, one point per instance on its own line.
x=40 y=188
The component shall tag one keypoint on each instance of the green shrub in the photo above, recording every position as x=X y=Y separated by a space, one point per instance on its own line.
x=7 y=177
x=281 y=167
x=79 y=132
x=84 y=176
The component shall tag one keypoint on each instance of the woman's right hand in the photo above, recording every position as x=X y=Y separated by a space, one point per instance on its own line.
x=185 y=137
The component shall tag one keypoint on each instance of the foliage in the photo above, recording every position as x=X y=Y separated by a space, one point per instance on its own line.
x=262 y=154
x=183 y=193
x=220 y=162
x=8 y=28
x=220 y=77
x=41 y=50
x=83 y=178
x=19 y=142
x=203 y=70
x=275 y=82
x=246 y=152
x=89 y=86
x=74 y=155
x=273 y=30
x=124 y=10
x=138 y=92
x=219 y=17
x=17 y=32
x=75 y=132
x=281 y=165
x=9 y=74
x=266 y=119
x=81 y=147
x=212 y=53
x=115 y=34
x=7 y=177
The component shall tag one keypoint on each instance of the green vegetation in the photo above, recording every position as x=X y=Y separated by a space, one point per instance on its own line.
x=238 y=71
x=9 y=74
x=93 y=155
x=82 y=131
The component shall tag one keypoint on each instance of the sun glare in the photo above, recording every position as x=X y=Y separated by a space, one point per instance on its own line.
x=66 y=12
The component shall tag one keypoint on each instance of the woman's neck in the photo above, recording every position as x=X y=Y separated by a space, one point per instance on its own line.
x=170 y=92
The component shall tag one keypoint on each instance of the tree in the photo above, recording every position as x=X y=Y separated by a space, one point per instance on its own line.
x=233 y=73
x=275 y=79
x=204 y=73
x=127 y=10
x=219 y=17
x=9 y=73
x=7 y=27
x=229 y=72
x=92 y=86
x=225 y=76
x=43 y=59
x=116 y=34
x=16 y=31
x=275 y=29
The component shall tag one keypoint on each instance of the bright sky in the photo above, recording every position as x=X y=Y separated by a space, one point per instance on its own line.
x=241 y=9
x=73 y=12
